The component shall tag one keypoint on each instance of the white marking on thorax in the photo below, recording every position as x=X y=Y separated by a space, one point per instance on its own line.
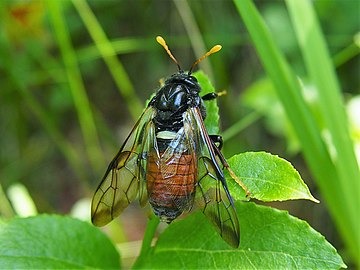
x=166 y=135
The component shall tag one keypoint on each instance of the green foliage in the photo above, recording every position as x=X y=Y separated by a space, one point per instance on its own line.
x=54 y=242
x=212 y=110
x=261 y=97
x=270 y=239
x=108 y=53
x=74 y=75
x=268 y=178
x=337 y=174
x=341 y=191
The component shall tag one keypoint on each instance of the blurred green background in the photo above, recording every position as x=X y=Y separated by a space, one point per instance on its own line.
x=75 y=75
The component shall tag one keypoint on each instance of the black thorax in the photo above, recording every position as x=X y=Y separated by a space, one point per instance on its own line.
x=180 y=92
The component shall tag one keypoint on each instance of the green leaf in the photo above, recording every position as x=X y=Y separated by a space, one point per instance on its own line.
x=212 y=110
x=270 y=239
x=54 y=242
x=268 y=178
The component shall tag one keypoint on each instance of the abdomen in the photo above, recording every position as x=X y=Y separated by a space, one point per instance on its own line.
x=171 y=186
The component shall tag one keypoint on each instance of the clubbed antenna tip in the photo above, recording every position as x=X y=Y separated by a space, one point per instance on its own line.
x=162 y=42
x=213 y=50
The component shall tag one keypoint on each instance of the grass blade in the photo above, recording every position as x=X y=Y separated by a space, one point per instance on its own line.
x=322 y=73
x=304 y=123
x=108 y=53
x=77 y=88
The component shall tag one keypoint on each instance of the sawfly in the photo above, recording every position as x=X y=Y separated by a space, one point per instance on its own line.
x=170 y=160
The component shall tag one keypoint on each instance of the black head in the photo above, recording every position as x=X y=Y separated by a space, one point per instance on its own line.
x=179 y=92
x=185 y=79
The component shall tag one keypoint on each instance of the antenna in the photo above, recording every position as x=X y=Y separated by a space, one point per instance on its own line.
x=214 y=49
x=162 y=42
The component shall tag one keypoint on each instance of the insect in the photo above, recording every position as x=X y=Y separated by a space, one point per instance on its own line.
x=171 y=161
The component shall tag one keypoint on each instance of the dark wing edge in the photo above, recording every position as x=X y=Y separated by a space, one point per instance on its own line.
x=124 y=178
x=212 y=194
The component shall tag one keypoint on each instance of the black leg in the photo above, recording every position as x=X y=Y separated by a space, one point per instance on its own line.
x=226 y=165
x=217 y=139
x=210 y=96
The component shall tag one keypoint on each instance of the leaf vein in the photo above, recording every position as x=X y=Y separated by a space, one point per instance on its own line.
x=235 y=251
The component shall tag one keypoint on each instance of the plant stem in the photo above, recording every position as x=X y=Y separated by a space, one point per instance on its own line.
x=5 y=206
x=151 y=227
x=240 y=125
x=347 y=53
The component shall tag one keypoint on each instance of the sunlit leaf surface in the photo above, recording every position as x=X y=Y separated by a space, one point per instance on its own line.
x=268 y=178
x=54 y=242
x=270 y=239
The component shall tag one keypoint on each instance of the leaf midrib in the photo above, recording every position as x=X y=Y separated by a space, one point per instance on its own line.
x=258 y=179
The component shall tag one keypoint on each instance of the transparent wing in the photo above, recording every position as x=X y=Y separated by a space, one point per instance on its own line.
x=212 y=194
x=172 y=173
x=125 y=177
x=170 y=158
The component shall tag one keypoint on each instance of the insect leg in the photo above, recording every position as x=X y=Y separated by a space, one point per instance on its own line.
x=210 y=96
x=213 y=95
x=226 y=165
x=217 y=139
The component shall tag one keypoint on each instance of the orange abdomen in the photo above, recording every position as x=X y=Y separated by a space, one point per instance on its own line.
x=171 y=187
